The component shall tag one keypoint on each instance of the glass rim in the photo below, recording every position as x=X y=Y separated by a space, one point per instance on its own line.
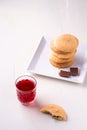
x=26 y=78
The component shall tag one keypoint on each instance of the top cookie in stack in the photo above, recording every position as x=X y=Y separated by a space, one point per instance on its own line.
x=63 y=50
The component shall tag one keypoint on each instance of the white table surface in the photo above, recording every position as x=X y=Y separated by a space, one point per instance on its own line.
x=22 y=23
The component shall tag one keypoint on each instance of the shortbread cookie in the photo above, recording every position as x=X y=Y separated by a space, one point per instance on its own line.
x=60 y=60
x=63 y=56
x=56 y=111
x=53 y=48
x=61 y=65
x=66 y=43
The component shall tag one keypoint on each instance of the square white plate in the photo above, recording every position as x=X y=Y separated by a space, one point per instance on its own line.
x=40 y=64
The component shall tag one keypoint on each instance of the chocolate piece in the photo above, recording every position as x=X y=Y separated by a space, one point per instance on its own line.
x=64 y=74
x=74 y=71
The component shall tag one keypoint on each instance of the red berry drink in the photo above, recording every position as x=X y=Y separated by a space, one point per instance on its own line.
x=26 y=89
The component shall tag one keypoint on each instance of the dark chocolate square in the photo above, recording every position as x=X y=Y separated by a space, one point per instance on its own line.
x=63 y=73
x=74 y=71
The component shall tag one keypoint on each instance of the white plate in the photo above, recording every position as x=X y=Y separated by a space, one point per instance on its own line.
x=40 y=64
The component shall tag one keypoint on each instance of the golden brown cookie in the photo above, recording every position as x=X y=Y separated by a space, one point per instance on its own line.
x=53 y=48
x=56 y=111
x=63 y=56
x=60 y=60
x=66 y=43
x=61 y=65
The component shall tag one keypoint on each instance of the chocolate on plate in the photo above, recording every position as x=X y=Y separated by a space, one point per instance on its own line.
x=63 y=73
x=74 y=71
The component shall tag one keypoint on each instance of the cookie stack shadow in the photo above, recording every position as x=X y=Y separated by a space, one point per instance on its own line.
x=63 y=50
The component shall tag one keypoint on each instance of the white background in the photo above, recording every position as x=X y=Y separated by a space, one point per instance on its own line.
x=22 y=23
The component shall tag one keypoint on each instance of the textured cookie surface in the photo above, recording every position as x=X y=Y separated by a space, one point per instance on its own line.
x=55 y=49
x=55 y=111
x=63 y=56
x=66 y=43
x=60 y=60
x=63 y=50
x=61 y=65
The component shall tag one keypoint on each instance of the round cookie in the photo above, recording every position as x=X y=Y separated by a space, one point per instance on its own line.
x=63 y=56
x=53 y=48
x=66 y=43
x=61 y=65
x=60 y=60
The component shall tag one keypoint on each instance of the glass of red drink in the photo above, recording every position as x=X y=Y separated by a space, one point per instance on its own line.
x=26 y=89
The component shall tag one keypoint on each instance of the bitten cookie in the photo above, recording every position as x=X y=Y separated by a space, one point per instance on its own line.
x=55 y=111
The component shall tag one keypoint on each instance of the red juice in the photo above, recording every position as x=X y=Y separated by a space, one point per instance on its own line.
x=25 y=85
x=26 y=90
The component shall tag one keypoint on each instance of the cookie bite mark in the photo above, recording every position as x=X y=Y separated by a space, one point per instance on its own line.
x=55 y=111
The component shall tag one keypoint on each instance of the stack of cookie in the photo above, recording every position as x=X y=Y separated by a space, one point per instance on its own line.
x=63 y=50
